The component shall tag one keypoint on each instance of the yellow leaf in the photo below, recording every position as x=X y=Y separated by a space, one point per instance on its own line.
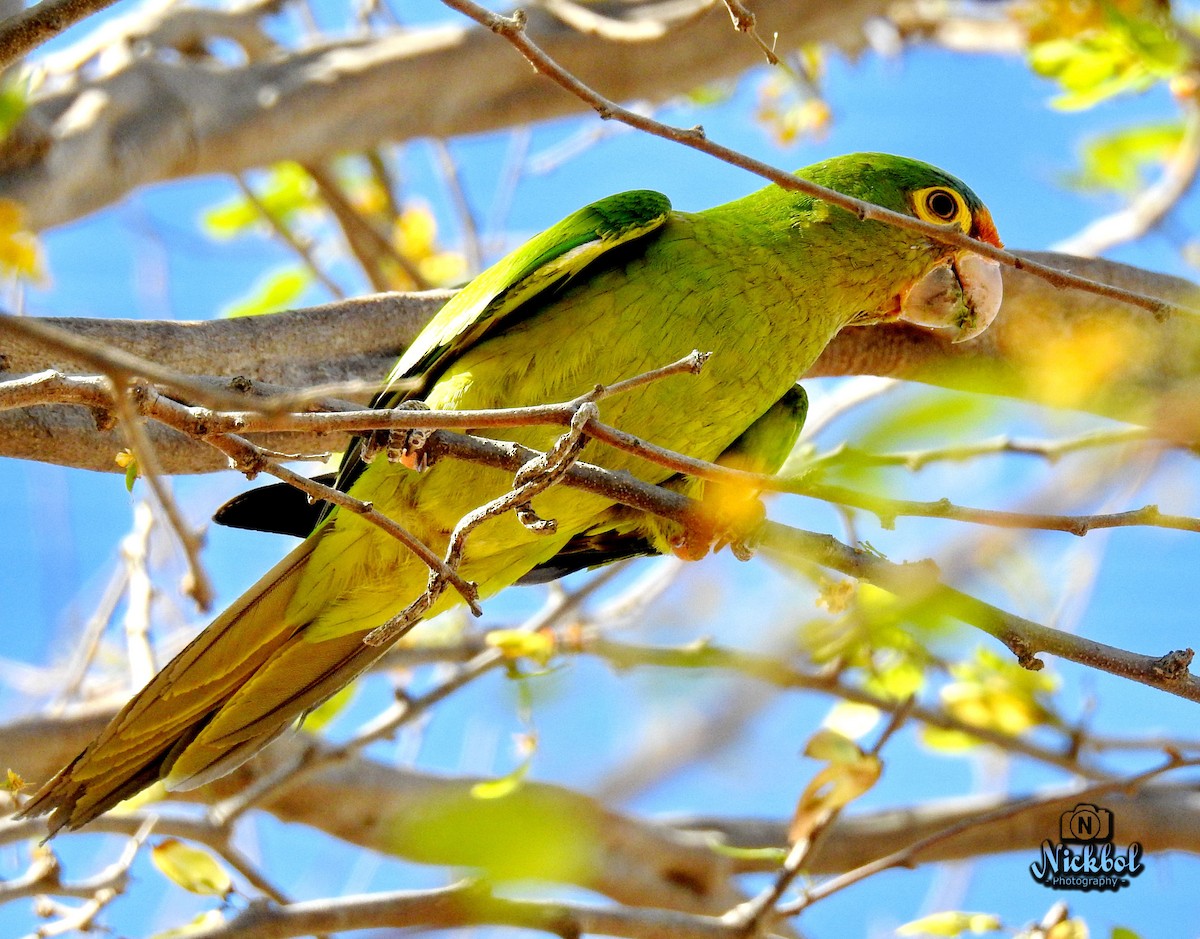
x=443 y=268
x=1068 y=929
x=951 y=923
x=832 y=747
x=14 y=782
x=192 y=868
x=201 y=923
x=849 y=774
x=519 y=644
x=20 y=251
x=415 y=232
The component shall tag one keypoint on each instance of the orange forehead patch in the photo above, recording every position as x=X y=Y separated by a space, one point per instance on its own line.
x=985 y=229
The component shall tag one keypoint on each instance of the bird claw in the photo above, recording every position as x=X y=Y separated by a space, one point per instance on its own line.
x=406 y=447
x=727 y=523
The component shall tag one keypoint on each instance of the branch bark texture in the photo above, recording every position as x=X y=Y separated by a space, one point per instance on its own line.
x=1049 y=346
x=156 y=118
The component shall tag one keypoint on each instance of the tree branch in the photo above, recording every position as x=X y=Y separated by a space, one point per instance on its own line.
x=1150 y=378
x=184 y=116
x=22 y=33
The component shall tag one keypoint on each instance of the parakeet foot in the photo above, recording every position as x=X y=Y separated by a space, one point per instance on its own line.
x=730 y=522
x=406 y=447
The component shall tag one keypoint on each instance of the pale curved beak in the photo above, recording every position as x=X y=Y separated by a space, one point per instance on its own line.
x=962 y=294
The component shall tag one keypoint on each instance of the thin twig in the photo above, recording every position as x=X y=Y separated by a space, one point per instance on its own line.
x=195 y=582
x=746 y=22
x=888 y=510
x=250 y=459
x=23 y=32
x=908 y=855
x=463 y=904
x=752 y=914
x=135 y=556
x=512 y=28
x=472 y=246
x=288 y=237
x=1049 y=450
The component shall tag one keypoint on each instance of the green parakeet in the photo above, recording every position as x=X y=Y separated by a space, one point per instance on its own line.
x=618 y=288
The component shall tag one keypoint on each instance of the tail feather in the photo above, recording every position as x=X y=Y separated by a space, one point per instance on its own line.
x=158 y=727
x=300 y=676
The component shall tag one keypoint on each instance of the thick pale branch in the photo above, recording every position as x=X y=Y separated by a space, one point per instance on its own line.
x=666 y=863
x=1151 y=374
x=1056 y=347
x=367 y=803
x=159 y=118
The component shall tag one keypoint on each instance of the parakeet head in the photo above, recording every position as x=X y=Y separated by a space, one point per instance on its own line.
x=954 y=289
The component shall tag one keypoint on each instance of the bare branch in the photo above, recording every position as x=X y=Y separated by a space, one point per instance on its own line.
x=887 y=510
x=1156 y=384
x=1148 y=209
x=514 y=30
x=25 y=31
x=180 y=116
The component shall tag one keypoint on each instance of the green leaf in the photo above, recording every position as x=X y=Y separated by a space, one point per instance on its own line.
x=769 y=854
x=1116 y=161
x=320 y=717
x=1121 y=54
x=14 y=100
x=286 y=192
x=273 y=292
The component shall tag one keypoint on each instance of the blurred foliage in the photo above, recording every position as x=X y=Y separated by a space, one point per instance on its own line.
x=192 y=868
x=273 y=291
x=20 y=251
x=790 y=104
x=14 y=100
x=1118 y=160
x=991 y=691
x=285 y=195
x=525 y=832
x=950 y=924
x=1096 y=50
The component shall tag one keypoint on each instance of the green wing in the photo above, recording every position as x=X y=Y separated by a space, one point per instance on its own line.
x=495 y=300
x=625 y=533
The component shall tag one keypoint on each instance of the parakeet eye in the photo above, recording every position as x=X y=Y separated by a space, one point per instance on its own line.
x=940 y=205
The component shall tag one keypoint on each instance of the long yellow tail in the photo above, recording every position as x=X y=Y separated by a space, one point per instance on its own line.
x=160 y=733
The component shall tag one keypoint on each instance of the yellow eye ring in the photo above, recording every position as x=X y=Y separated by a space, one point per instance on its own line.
x=941 y=206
